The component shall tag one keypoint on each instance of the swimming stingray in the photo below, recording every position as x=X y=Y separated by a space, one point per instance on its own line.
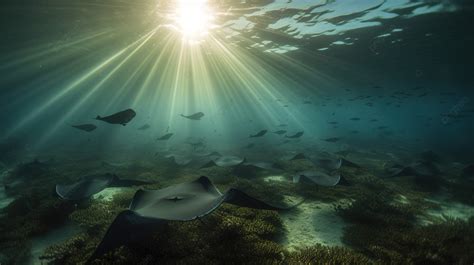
x=93 y=184
x=225 y=161
x=180 y=160
x=85 y=127
x=195 y=160
x=331 y=164
x=332 y=140
x=122 y=117
x=196 y=116
x=187 y=201
x=251 y=169
x=165 y=137
x=296 y=135
x=259 y=134
x=422 y=168
x=279 y=132
x=327 y=164
x=317 y=177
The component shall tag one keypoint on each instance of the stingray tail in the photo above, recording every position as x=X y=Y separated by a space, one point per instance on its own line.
x=98 y=117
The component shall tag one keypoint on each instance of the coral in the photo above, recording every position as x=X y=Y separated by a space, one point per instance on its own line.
x=320 y=254
x=231 y=235
x=386 y=232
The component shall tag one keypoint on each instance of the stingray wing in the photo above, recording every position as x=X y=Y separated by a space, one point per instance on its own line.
x=83 y=189
x=127 y=228
x=181 y=202
x=150 y=209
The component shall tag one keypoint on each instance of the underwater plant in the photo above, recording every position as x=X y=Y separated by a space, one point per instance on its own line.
x=387 y=232
x=229 y=235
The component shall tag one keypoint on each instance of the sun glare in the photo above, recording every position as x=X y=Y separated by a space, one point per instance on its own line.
x=193 y=18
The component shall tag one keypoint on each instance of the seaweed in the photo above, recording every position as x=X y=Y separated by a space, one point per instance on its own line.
x=231 y=235
x=387 y=232
x=320 y=254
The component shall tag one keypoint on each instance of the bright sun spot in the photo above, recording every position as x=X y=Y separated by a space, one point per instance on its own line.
x=193 y=18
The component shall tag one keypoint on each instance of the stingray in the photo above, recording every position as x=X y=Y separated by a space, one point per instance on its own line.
x=196 y=116
x=250 y=169
x=279 y=132
x=332 y=139
x=164 y=137
x=85 y=127
x=296 y=135
x=328 y=164
x=144 y=127
x=421 y=169
x=260 y=165
x=259 y=134
x=187 y=201
x=179 y=159
x=195 y=161
x=224 y=161
x=90 y=185
x=317 y=177
x=122 y=117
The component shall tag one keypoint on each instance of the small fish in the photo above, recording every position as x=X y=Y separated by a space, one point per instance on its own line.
x=144 y=127
x=196 y=116
x=165 y=137
x=355 y=119
x=373 y=120
x=85 y=127
x=259 y=134
x=332 y=139
x=296 y=135
x=333 y=122
x=279 y=132
x=122 y=117
x=306 y=102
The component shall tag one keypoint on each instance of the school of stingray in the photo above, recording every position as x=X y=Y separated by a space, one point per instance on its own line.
x=195 y=199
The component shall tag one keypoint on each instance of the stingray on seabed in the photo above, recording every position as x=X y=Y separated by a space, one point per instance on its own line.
x=181 y=202
x=320 y=178
x=90 y=185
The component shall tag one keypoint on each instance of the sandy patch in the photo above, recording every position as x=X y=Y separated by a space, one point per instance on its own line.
x=275 y=179
x=108 y=194
x=313 y=223
x=447 y=209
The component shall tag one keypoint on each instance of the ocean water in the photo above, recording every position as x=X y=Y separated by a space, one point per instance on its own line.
x=328 y=132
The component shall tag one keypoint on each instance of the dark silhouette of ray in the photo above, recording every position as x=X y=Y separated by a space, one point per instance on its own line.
x=187 y=201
